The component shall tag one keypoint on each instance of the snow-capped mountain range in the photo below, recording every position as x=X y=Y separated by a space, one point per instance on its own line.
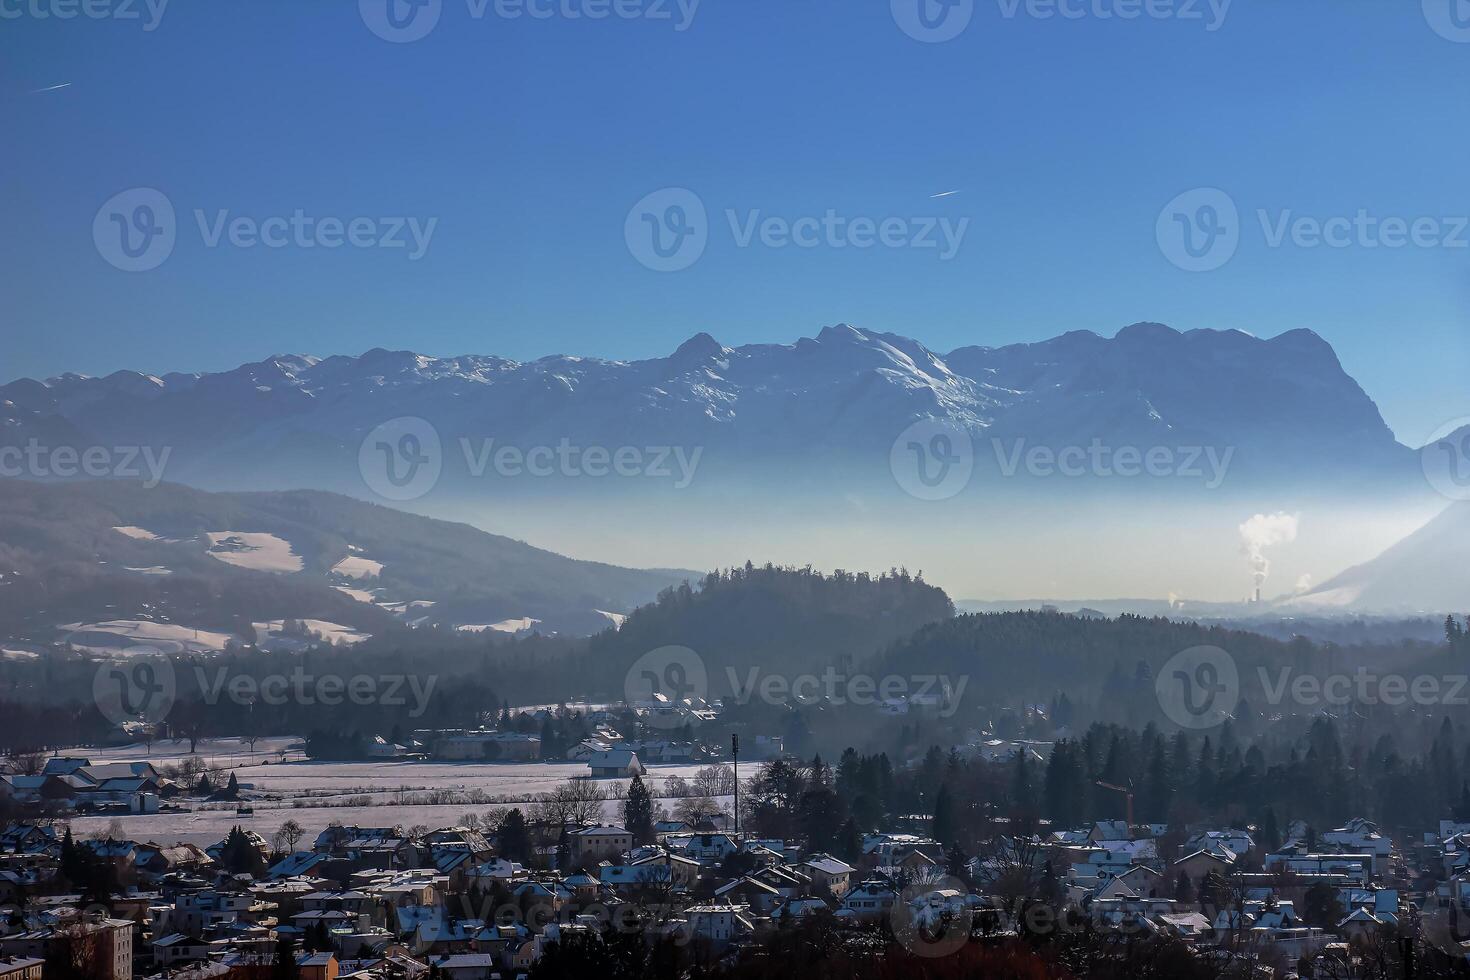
x=1285 y=405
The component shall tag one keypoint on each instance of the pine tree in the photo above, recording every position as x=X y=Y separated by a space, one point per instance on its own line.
x=945 y=826
x=850 y=842
x=1023 y=789
x=1064 y=785
x=1158 y=787
x=73 y=863
x=818 y=774
x=638 y=812
x=514 y=840
x=957 y=863
x=1462 y=810
x=1270 y=833
x=239 y=855
x=285 y=966
x=1204 y=776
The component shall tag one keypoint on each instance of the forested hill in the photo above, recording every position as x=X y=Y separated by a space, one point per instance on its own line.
x=779 y=619
x=1035 y=654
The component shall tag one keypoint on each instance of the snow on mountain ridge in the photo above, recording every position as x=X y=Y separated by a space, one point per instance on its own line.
x=1285 y=400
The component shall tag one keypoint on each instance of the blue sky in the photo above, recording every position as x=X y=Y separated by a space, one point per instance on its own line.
x=528 y=140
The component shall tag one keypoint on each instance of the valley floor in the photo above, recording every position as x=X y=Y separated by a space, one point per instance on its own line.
x=316 y=794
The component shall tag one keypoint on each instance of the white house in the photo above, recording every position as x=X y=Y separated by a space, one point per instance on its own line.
x=869 y=901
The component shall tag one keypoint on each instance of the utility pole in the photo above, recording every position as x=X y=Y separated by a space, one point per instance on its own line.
x=735 y=754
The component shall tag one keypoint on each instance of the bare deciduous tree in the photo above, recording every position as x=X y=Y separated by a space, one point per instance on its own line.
x=714 y=781
x=289 y=833
x=577 y=802
x=27 y=762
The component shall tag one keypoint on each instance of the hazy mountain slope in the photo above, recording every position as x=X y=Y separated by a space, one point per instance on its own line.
x=1429 y=571
x=192 y=557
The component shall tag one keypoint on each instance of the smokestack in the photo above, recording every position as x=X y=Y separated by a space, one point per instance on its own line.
x=1260 y=533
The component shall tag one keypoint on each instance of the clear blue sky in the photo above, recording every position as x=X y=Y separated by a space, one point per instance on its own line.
x=529 y=140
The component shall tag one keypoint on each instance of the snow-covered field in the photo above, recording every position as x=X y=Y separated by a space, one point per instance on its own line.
x=210 y=826
x=270 y=635
x=136 y=533
x=504 y=626
x=355 y=566
x=212 y=751
x=117 y=637
x=258 y=551
x=384 y=783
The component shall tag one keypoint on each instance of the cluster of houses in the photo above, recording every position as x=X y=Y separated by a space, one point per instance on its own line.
x=381 y=903
x=121 y=787
x=376 y=902
x=606 y=751
x=1217 y=889
x=1445 y=856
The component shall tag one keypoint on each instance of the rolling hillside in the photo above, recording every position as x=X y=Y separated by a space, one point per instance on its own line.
x=106 y=553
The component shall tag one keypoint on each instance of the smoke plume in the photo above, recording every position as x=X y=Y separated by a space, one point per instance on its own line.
x=1264 y=531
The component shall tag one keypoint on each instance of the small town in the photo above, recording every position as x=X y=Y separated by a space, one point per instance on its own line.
x=601 y=870
x=681 y=490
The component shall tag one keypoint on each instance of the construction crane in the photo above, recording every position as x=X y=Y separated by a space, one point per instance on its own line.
x=1127 y=795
